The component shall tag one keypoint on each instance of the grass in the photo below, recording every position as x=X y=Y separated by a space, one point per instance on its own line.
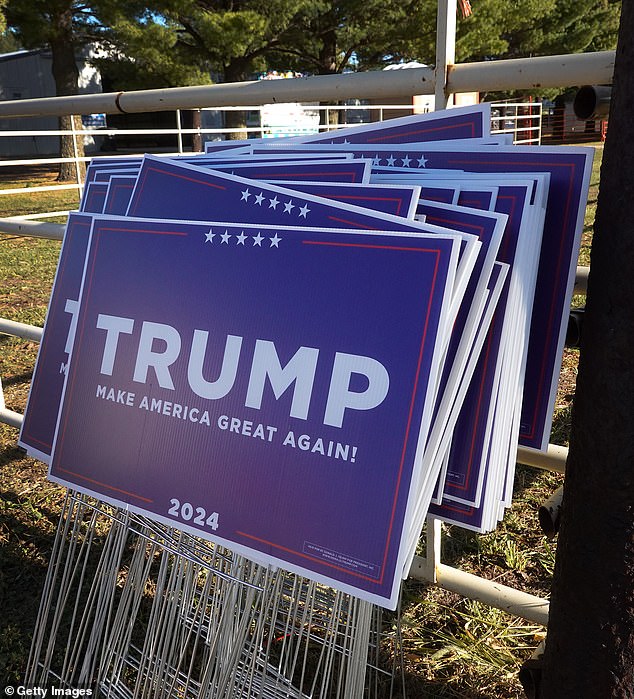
x=450 y=647
x=33 y=202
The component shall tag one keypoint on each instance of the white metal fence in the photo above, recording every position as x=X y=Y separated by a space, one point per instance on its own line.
x=522 y=120
x=553 y=71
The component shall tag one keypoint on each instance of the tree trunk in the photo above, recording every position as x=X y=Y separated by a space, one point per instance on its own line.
x=590 y=644
x=236 y=72
x=69 y=148
x=328 y=66
x=197 y=139
x=236 y=120
x=66 y=75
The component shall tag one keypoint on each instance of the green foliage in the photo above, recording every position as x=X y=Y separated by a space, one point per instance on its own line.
x=179 y=42
x=38 y=22
x=69 y=24
x=332 y=37
x=224 y=37
x=146 y=55
x=499 y=29
x=373 y=33
x=8 y=42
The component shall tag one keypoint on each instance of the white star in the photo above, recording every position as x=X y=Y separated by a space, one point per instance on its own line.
x=259 y=198
x=257 y=240
x=275 y=241
x=422 y=161
x=376 y=161
x=209 y=237
x=241 y=238
x=274 y=202
x=245 y=195
x=406 y=161
x=346 y=142
x=288 y=206
x=225 y=237
x=391 y=160
x=303 y=210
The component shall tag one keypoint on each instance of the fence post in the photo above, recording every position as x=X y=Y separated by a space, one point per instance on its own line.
x=445 y=50
x=180 y=133
x=78 y=169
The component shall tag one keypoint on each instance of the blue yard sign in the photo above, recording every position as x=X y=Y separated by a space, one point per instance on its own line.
x=258 y=386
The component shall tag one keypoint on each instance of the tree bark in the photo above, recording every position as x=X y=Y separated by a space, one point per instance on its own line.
x=197 y=140
x=328 y=66
x=590 y=644
x=66 y=76
x=236 y=119
x=70 y=148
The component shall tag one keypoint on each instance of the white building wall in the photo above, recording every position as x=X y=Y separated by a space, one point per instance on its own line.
x=28 y=75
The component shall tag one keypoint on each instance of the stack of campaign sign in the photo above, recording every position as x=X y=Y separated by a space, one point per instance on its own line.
x=301 y=348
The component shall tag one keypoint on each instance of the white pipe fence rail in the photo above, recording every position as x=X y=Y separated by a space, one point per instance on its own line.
x=520 y=73
x=523 y=120
x=121 y=137
x=550 y=71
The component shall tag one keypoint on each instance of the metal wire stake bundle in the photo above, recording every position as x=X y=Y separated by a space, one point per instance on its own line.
x=135 y=609
x=75 y=595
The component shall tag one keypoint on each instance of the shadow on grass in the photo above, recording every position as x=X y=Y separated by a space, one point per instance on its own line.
x=24 y=552
x=25 y=377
